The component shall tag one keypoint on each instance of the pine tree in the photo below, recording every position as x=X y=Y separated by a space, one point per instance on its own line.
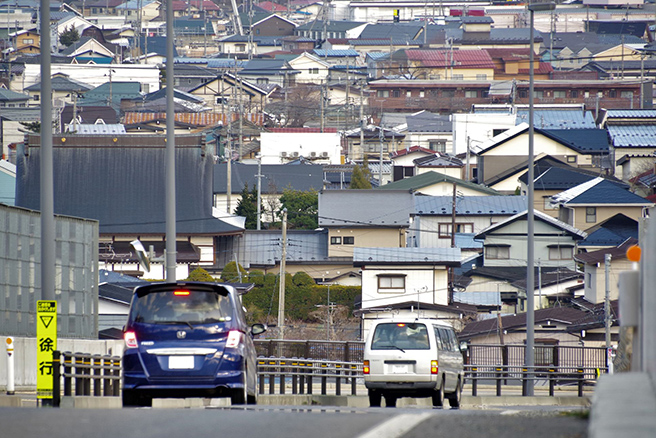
x=247 y=207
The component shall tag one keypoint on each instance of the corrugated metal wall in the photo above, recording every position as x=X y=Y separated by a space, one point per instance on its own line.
x=76 y=270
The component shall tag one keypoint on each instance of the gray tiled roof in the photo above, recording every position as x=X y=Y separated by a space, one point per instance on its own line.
x=539 y=216
x=365 y=208
x=264 y=248
x=276 y=177
x=121 y=184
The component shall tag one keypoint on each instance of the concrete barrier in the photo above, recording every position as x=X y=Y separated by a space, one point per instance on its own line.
x=90 y=402
x=11 y=401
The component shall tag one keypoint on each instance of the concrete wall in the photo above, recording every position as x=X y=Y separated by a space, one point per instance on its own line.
x=25 y=366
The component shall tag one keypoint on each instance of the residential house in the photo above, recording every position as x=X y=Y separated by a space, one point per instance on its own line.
x=610 y=233
x=434 y=217
x=442 y=163
x=403 y=161
x=439 y=184
x=100 y=7
x=553 y=176
x=269 y=71
x=12 y=127
x=445 y=63
x=282 y=145
x=594 y=201
x=577 y=147
x=338 y=57
x=592 y=327
x=190 y=77
x=364 y=218
x=645 y=184
x=26 y=42
x=632 y=136
x=270 y=25
x=229 y=90
x=156 y=102
x=319 y=30
x=505 y=242
x=64 y=90
x=312 y=69
x=369 y=140
x=597 y=271
x=89 y=51
x=11 y=99
x=551 y=328
x=415 y=280
x=297 y=44
x=87 y=115
x=431 y=131
x=573 y=50
x=139 y=10
x=130 y=204
x=276 y=178
x=637 y=170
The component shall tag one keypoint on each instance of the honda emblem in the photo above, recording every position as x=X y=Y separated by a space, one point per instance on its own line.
x=181 y=334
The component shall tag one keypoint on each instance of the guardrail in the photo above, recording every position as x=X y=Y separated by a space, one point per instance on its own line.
x=501 y=375
x=80 y=370
x=301 y=374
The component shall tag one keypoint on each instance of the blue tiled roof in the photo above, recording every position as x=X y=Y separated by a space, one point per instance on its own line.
x=561 y=119
x=337 y=53
x=606 y=192
x=639 y=135
x=612 y=232
x=582 y=140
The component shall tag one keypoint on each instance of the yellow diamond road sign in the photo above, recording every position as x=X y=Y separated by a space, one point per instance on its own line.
x=46 y=344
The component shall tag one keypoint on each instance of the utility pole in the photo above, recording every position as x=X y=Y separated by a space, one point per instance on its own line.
x=281 y=291
x=321 y=106
x=453 y=217
x=607 y=315
x=228 y=152
x=259 y=190
x=361 y=120
x=380 y=168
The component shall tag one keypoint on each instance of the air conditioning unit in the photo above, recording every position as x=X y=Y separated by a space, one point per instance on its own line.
x=283 y=154
x=313 y=154
x=324 y=154
x=295 y=154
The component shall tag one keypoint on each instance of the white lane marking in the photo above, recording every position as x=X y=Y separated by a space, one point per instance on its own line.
x=396 y=426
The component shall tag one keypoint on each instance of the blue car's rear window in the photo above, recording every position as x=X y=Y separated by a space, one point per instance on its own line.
x=168 y=307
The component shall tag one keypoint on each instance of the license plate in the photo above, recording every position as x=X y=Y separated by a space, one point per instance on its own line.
x=181 y=362
x=399 y=369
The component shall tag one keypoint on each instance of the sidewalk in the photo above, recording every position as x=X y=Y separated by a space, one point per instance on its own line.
x=624 y=404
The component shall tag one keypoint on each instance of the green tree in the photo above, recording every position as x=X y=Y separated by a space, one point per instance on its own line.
x=69 y=36
x=247 y=207
x=231 y=275
x=302 y=208
x=200 y=274
x=358 y=179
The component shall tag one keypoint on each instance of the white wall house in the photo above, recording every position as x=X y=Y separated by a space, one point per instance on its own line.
x=477 y=128
x=283 y=147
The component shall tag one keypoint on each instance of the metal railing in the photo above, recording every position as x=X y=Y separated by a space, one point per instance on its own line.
x=82 y=371
x=301 y=375
x=500 y=376
x=347 y=351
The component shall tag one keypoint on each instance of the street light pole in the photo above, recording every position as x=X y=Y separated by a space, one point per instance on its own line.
x=529 y=358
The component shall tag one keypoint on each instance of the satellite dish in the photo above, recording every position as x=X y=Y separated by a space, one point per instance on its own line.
x=141 y=254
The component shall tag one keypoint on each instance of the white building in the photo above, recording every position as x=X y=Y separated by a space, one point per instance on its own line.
x=282 y=147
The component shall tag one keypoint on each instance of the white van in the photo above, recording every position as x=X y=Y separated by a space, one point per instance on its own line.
x=413 y=358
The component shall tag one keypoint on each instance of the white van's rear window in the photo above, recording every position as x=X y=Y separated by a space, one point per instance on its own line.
x=403 y=336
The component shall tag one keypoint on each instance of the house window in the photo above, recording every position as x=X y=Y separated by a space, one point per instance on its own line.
x=626 y=94
x=471 y=93
x=240 y=47
x=481 y=77
x=396 y=93
x=571 y=158
x=314 y=71
x=408 y=93
x=382 y=93
x=349 y=240
x=548 y=205
x=590 y=214
x=458 y=77
x=612 y=93
x=448 y=93
x=336 y=240
x=262 y=81
x=574 y=94
x=37 y=96
x=560 y=94
x=444 y=230
x=28 y=40
x=497 y=252
x=485 y=93
x=538 y=94
x=560 y=253
x=422 y=93
x=523 y=94
x=437 y=145
x=391 y=283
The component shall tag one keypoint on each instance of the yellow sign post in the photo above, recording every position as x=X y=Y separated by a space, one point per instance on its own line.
x=46 y=344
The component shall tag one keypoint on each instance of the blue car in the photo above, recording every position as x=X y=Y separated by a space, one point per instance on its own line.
x=188 y=339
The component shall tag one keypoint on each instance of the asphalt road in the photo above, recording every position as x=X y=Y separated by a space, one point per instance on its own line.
x=288 y=422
